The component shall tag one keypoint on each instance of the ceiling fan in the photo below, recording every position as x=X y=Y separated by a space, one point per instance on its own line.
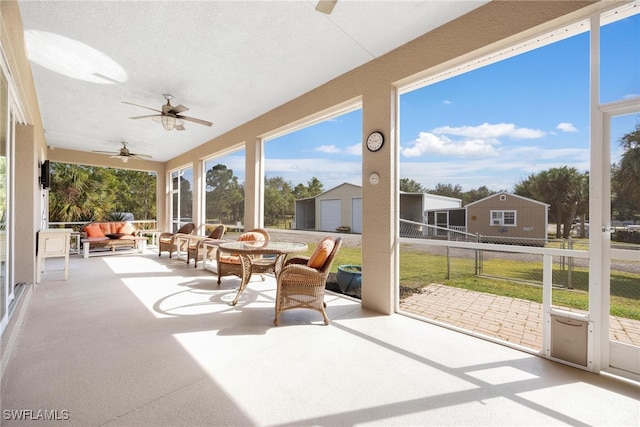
x=326 y=6
x=169 y=116
x=124 y=154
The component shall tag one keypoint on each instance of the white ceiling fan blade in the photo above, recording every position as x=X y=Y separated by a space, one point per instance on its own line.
x=104 y=152
x=194 y=120
x=178 y=109
x=141 y=156
x=141 y=106
x=145 y=117
x=326 y=6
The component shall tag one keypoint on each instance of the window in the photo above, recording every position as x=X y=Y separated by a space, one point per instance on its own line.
x=181 y=197
x=224 y=190
x=503 y=218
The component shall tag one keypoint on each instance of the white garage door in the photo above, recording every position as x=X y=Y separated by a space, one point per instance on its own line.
x=356 y=215
x=330 y=215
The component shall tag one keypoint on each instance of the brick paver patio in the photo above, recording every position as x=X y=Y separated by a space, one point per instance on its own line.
x=510 y=319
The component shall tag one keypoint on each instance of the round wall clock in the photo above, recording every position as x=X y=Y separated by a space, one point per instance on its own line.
x=375 y=141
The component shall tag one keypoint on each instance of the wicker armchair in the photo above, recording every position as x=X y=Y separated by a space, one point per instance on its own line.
x=195 y=251
x=231 y=265
x=301 y=283
x=166 y=241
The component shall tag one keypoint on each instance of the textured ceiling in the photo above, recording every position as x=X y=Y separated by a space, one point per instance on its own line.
x=227 y=61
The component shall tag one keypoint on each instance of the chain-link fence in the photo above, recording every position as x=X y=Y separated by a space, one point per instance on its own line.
x=568 y=272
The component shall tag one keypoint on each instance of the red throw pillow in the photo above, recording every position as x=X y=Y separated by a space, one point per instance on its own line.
x=321 y=253
x=94 y=231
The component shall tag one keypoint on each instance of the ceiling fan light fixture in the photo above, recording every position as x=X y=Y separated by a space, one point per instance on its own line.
x=124 y=159
x=168 y=122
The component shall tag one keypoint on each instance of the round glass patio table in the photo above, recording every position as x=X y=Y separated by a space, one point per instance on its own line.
x=252 y=262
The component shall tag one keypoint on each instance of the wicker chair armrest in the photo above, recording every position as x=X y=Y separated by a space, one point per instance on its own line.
x=299 y=269
x=297 y=260
x=208 y=240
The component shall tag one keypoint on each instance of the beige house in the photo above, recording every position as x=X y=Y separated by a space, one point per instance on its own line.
x=508 y=218
x=340 y=206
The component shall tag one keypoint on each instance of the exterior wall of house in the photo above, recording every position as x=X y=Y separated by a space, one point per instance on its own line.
x=305 y=214
x=530 y=217
x=30 y=144
x=411 y=207
x=435 y=201
x=343 y=192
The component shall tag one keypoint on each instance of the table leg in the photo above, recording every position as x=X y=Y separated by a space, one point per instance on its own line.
x=86 y=250
x=245 y=261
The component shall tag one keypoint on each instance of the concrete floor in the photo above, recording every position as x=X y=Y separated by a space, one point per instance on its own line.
x=141 y=340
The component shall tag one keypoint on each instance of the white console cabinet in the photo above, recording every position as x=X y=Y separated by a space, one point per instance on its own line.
x=52 y=243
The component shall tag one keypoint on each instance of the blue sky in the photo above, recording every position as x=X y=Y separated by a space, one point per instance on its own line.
x=493 y=126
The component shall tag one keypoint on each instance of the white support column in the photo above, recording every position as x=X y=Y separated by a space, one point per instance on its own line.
x=599 y=211
x=380 y=257
x=198 y=197
x=254 y=185
x=547 y=285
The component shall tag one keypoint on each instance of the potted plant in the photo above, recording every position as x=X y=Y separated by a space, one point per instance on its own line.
x=349 y=278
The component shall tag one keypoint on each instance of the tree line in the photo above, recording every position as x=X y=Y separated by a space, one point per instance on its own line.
x=86 y=193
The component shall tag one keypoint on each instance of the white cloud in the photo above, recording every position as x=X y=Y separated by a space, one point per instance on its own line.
x=486 y=130
x=447 y=102
x=331 y=149
x=566 y=127
x=300 y=170
x=355 y=149
x=476 y=141
x=430 y=143
x=514 y=164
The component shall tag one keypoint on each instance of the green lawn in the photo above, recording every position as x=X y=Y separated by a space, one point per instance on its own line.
x=419 y=269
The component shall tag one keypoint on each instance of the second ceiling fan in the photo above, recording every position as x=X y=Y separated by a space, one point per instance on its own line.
x=170 y=117
x=124 y=154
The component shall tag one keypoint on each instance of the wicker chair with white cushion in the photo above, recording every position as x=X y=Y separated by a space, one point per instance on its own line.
x=302 y=281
